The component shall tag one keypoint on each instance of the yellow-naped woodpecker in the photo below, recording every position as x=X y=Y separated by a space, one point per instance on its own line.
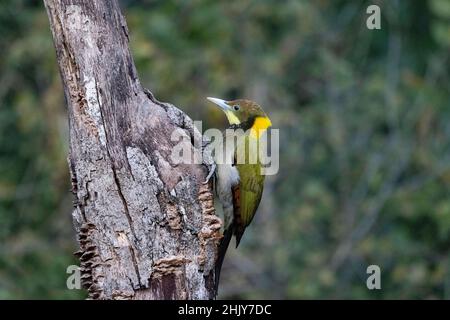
x=239 y=184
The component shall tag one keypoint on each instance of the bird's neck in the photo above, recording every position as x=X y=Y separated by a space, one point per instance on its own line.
x=260 y=124
x=246 y=125
x=255 y=126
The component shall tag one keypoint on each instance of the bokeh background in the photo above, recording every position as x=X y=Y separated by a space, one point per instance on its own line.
x=364 y=119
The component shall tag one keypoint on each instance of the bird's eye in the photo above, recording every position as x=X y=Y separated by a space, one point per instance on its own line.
x=236 y=107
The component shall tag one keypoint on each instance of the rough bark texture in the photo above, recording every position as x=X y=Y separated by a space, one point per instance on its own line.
x=146 y=226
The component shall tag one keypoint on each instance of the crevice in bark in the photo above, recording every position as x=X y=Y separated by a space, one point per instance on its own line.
x=130 y=222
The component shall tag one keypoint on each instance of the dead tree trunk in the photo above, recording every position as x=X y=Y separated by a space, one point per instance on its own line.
x=146 y=226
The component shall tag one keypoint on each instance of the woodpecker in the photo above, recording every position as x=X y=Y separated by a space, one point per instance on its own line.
x=239 y=184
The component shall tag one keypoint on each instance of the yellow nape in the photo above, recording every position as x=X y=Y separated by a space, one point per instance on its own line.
x=259 y=126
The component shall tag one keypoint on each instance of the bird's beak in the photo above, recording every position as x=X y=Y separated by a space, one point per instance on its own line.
x=221 y=103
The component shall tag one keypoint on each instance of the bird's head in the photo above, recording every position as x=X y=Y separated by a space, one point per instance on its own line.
x=245 y=114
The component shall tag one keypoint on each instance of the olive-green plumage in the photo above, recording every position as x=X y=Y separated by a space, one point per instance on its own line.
x=239 y=179
x=251 y=185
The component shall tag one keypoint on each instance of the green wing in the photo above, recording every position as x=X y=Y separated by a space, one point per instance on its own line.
x=251 y=185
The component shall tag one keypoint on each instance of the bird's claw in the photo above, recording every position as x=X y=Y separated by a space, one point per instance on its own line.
x=212 y=170
x=208 y=160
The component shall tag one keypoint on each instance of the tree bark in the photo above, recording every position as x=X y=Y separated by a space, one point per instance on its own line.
x=146 y=226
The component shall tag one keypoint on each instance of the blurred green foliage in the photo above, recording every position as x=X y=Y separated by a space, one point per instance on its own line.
x=364 y=118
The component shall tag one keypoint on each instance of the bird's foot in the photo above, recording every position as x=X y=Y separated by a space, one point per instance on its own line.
x=208 y=160
x=212 y=170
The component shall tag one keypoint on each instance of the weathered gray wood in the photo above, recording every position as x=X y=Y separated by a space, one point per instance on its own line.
x=146 y=226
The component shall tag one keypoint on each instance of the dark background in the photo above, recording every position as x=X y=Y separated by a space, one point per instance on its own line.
x=364 y=119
